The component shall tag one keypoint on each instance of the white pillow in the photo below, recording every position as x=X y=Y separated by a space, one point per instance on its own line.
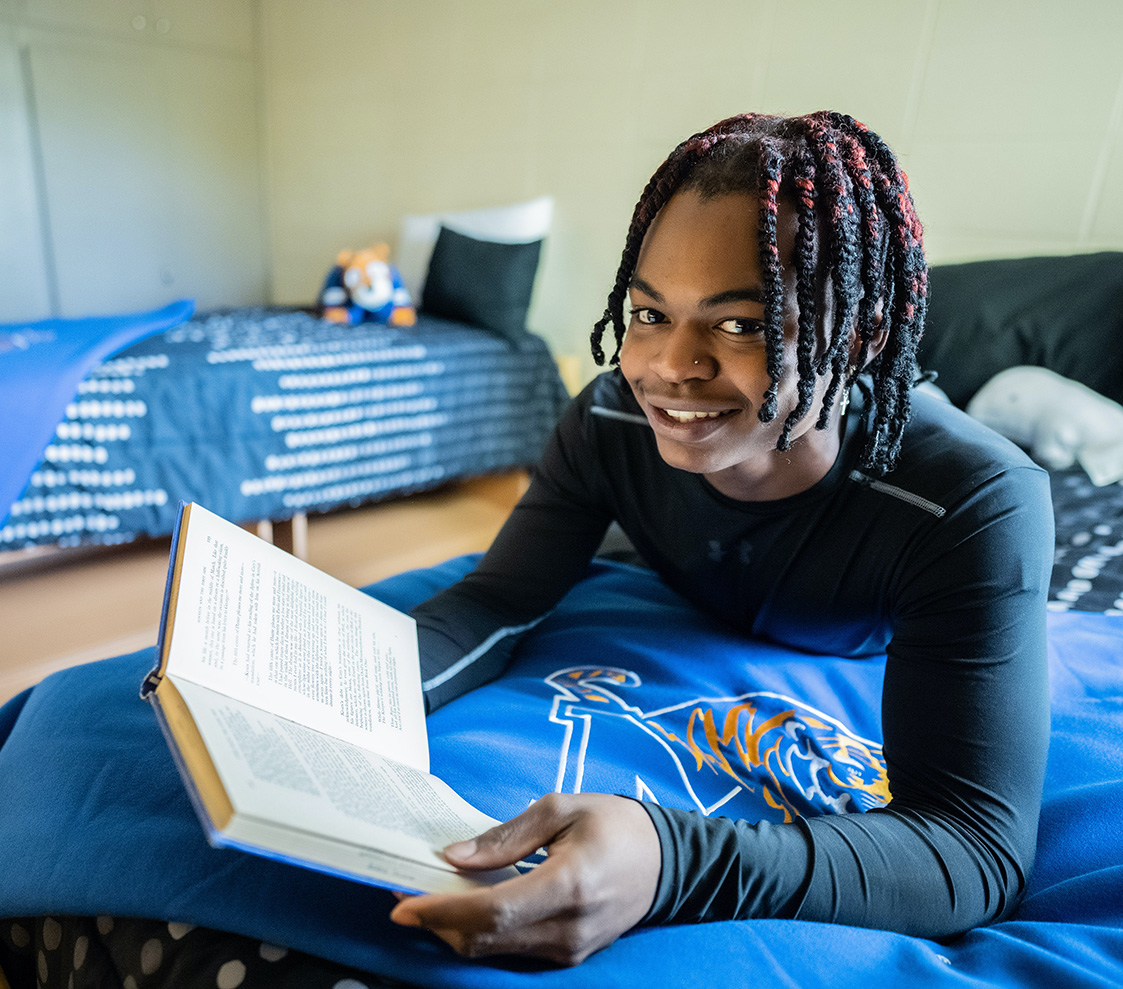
x=519 y=223
x=1058 y=420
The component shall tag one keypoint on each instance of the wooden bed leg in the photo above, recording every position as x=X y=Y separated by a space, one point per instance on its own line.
x=292 y=535
x=299 y=523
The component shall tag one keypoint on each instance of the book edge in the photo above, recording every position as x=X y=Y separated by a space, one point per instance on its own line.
x=171 y=596
x=192 y=758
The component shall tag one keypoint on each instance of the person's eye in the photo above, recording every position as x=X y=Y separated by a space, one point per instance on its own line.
x=641 y=314
x=740 y=327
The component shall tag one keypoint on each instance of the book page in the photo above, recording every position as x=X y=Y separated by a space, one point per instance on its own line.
x=252 y=621
x=281 y=772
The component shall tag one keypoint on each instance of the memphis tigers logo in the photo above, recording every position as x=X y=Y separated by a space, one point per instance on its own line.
x=756 y=756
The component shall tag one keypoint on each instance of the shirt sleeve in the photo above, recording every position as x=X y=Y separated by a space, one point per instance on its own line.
x=468 y=633
x=965 y=713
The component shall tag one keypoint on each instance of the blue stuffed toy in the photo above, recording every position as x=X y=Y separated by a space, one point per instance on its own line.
x=364 y=287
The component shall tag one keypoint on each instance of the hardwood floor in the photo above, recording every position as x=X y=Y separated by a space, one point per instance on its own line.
x=58 y=611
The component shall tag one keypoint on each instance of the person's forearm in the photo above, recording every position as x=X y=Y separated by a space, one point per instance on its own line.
x=718 y=869
x=463 y=645
x=888 y=869
x=468 y=632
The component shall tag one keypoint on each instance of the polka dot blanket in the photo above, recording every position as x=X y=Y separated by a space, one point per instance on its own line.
x=97 y=952
x=96 y=829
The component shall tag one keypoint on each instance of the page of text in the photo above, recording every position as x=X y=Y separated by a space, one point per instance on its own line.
x=258 y=624
x=281 y=772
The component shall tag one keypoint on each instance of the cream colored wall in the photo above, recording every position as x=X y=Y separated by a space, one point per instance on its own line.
x=1008 y=116
x=129 y=156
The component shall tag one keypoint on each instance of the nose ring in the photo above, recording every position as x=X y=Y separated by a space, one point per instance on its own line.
x=697 y=362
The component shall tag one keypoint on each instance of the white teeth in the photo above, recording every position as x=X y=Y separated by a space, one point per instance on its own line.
x=690 y=416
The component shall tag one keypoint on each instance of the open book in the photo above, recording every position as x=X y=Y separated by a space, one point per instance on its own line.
x=292 y=705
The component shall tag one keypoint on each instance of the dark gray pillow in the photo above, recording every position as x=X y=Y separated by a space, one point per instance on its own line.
x=481 y=282
x=1063 y=313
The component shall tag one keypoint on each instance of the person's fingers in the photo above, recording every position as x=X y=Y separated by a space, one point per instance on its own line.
x=499 y=922
x=513 y=840
x=596 y=883
x=404 y=913
x=517 y=902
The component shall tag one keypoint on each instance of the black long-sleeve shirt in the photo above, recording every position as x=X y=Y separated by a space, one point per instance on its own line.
x=943 y=564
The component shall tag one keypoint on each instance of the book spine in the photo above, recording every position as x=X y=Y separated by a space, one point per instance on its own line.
x=152 y=681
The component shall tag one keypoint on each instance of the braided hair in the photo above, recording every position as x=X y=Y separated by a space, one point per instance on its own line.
x=843 y=179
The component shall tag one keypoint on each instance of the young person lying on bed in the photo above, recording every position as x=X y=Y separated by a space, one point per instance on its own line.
x=760 y=446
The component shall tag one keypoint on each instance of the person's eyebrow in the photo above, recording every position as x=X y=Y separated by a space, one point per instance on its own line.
x=733 y=295
x=749 y=294
x=646 y=289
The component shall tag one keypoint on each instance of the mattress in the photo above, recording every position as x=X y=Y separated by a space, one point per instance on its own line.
x=263 y=414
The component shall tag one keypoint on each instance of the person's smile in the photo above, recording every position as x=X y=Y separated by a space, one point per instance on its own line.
x=687 y=419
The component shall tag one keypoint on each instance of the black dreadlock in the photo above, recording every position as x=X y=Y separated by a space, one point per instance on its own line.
x=840 y=173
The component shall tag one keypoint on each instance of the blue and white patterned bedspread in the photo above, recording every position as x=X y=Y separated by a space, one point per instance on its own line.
x=263 y=414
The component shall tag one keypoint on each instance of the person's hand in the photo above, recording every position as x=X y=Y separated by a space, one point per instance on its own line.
x=597 y=882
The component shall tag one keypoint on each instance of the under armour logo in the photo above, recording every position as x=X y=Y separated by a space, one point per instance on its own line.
x=744 y=552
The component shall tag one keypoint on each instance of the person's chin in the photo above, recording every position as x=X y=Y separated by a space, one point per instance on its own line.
x=686 y=458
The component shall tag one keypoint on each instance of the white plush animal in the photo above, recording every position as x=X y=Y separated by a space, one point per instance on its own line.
x=1058 y=420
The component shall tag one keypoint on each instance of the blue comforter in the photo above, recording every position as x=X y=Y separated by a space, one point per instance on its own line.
x=94 y=819
x=41 y=364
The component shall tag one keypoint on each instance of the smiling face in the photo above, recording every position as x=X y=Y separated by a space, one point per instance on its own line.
x=694 y=352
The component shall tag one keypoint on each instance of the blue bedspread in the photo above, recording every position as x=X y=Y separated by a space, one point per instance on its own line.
x=95 y=820
x=261 y=414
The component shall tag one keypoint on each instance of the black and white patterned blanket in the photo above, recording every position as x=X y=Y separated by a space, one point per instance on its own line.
x=1088 y=566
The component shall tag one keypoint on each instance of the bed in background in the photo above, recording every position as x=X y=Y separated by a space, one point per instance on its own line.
x=266 y=414
x=96 y=821
x=1064 y=314
x=262 y=414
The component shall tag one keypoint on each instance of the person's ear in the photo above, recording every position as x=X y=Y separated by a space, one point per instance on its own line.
x=877 y=341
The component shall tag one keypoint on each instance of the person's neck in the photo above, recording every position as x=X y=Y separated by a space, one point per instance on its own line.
x=783 y=473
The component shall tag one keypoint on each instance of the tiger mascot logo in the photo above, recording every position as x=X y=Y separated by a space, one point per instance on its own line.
x=759 y=755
